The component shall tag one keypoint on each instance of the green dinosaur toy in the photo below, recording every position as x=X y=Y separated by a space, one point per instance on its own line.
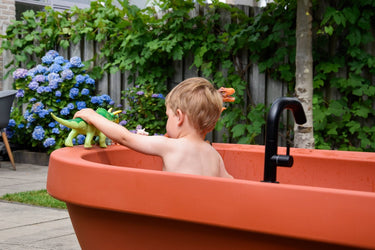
x=79 y=126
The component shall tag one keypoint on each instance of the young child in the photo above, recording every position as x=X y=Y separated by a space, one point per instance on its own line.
x=193 y=108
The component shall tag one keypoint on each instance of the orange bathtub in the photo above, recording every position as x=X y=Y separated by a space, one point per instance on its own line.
x=119 y=199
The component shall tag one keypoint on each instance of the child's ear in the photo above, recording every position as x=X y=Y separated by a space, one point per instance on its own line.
x=181 y=117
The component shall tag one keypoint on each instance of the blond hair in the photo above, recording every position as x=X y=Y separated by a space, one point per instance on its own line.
x=199 y=100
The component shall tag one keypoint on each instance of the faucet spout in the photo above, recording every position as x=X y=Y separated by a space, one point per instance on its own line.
x=271 y=158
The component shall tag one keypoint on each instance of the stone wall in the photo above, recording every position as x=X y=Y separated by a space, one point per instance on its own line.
x=7 y=13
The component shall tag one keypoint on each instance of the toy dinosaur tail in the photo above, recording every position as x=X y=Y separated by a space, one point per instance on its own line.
x=72 y=123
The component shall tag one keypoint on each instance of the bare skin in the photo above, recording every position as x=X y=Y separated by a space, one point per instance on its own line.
x=185 y=151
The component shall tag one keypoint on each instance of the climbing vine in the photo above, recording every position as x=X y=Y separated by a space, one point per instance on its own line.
x=145 y=43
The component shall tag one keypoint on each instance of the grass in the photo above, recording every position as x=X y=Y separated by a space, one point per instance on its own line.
x=37 y=198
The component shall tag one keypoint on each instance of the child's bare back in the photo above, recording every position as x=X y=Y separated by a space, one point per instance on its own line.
x=194 y=157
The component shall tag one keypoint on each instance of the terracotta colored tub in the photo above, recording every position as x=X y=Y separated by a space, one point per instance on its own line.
x=119 y=199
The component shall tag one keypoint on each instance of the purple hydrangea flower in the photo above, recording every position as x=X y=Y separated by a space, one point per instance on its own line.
x=20 y=73
x=123 y=122
x=20 y=93
x=33 y=85
x=39 y=78
x=140 y=93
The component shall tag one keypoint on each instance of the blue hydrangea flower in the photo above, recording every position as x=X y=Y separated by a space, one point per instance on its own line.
x=20 y=73
x=39 y=78
x=40 y=89
x=65 y=111
x=33 y=85
x=62 y=127
x=43 y=113
x=96 y=100
x=30 y=118
x=81 y=105
x=81 y=139
x=67 y=74
x=52 y=76
x=76 y=61
x=67 y=65
x=80 y=79
x=106 y=98
x=73 y=93
x=54 y=83
x=58 y=93
x=26 y=114
x=12 y=123
x=52 y=124
x=70 y=106
x=47 y=89
x=32 y=72
x=9 y=133
x=41 y=69
x=49 y=142
x=37 y=107
x=55 y=131
x=55 y=68
x=20 y=93
x=91 y=81
x=52 y=53
x=85 y=91
x=32 y=99
x=21 y=125
x=47 y=59
x=59 y=60
x=38 y=133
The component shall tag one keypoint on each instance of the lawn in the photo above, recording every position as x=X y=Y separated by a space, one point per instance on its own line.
x=37 y=198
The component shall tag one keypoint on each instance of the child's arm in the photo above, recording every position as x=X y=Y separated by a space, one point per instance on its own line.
x=154 y=145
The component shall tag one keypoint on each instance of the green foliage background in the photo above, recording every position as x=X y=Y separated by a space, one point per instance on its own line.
x=145 y=44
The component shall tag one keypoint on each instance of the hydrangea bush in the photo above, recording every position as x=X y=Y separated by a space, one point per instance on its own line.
x=145 y=109
x=56 y=85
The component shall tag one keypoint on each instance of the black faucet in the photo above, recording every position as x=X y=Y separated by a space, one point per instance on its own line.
x=271 y=158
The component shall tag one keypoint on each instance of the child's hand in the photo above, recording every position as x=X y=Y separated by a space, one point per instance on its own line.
x=86 y=114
